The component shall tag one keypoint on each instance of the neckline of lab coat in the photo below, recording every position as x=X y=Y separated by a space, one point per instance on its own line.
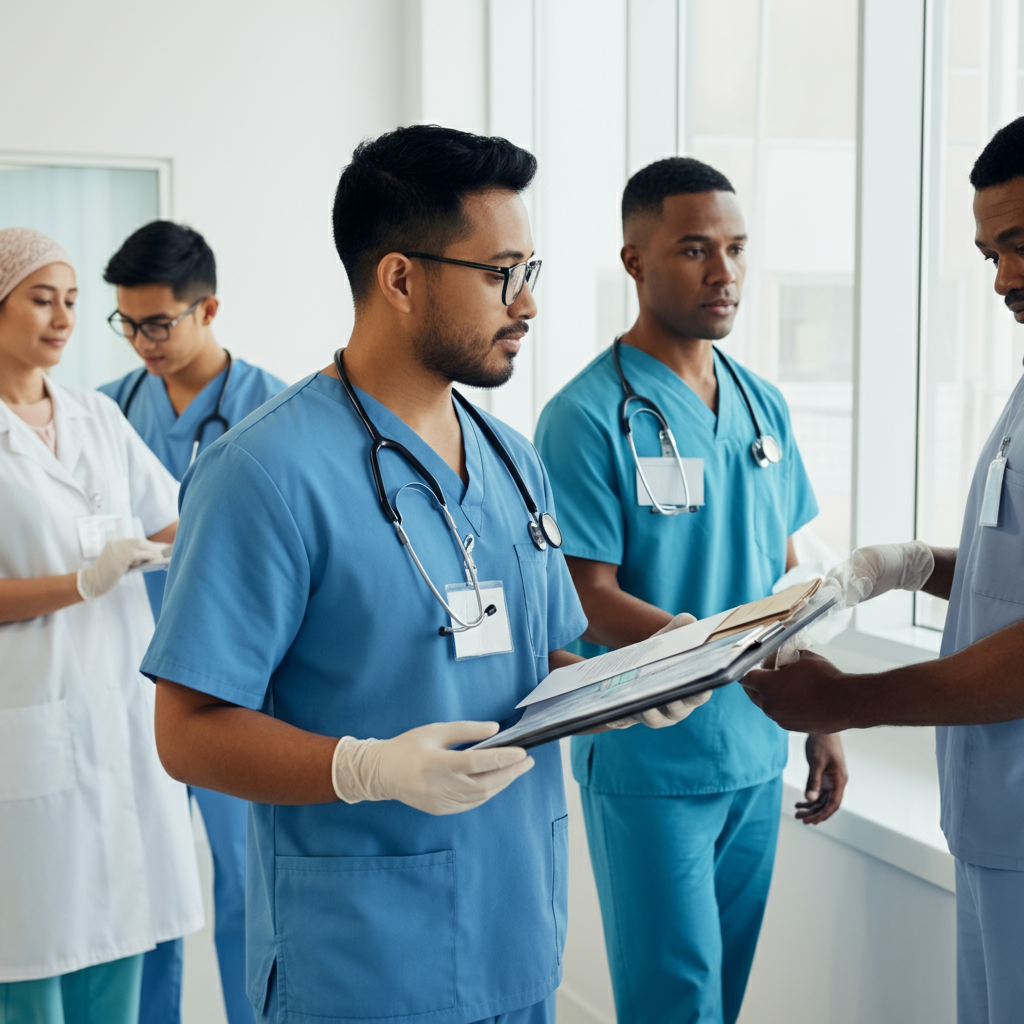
x=646 y=365
x=22 y=440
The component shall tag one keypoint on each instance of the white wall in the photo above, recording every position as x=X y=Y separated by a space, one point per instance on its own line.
x=258 y=106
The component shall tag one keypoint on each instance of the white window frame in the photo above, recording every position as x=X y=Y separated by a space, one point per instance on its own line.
x=163 y=166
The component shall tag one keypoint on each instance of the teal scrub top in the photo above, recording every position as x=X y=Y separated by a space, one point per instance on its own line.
x=290 y=593
x=171 y=437
x=981 y=767
x=731 y=551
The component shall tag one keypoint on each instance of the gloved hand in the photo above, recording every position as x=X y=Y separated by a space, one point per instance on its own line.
x=868 y=572
x=664 y=715
x=418 y=769
x=872 y=571
x=116 y=558
x=675 y=711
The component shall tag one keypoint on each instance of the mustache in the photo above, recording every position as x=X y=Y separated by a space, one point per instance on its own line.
x=1017 y=295
x=520 y=327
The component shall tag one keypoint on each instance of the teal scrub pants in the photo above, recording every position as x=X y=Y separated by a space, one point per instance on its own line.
x=105 y=994
x=683 y=882
x=989 y=945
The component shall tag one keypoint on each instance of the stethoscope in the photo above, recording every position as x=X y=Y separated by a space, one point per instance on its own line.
x=542 y=527
x=215 y=417
x=765 y=448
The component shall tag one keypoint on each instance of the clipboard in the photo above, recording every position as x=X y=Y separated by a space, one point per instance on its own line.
x=726 y=657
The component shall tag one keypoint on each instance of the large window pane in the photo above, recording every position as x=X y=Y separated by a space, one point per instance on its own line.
x=970 y=347
x=773 y=104
x=89 y=211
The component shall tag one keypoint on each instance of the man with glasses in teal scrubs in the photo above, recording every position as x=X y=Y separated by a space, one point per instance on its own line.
x=188 y=393
x=360 y=584
x=682 y=826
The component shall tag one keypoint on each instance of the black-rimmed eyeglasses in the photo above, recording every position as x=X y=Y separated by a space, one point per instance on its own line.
x=515 y=276
x=154 y=330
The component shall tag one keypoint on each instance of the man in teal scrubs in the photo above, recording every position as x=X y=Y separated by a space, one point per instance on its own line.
x=975 y=691
x=682 y=827
x=305 y=663
x=188 y=393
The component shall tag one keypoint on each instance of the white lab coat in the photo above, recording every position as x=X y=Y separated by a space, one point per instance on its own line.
x=97 y=859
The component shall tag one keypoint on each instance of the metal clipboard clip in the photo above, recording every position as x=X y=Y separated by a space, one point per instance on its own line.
x=760 y=635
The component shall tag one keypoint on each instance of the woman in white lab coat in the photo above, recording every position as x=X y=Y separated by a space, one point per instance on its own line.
x=97 y=862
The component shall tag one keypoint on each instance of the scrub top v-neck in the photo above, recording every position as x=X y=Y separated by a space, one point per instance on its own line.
x=290 y=592
x=171 y=437
x=731 y=551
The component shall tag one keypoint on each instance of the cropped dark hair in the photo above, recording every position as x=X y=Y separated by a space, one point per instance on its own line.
x=1003 y=157
x=404 y=191
x=165 y=253
x=647 y=190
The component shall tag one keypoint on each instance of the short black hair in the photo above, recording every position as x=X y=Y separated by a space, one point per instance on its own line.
x=648 y=189
x=404 y=191
x=1003 y=157
x=163 y=252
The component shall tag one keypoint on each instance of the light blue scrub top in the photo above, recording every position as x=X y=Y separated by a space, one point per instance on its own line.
x=981 y=767
x=170 y=436
x=731 y=551
x=290 y=593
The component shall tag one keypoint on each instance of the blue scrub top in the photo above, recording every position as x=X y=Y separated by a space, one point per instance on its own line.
x=731 y=551
x=171 y=437
x=290 y=593
x=981 y=767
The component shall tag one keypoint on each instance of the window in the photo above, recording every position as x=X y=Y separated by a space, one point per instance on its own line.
x=971 y=349
x=89 y=211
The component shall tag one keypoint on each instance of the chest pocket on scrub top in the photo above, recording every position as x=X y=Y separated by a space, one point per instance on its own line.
x=771 y=514
x=998 y=569
x=533 y=567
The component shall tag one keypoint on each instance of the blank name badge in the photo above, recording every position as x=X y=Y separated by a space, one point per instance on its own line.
x=95 y=531
x=493 y=635
x=667 y=483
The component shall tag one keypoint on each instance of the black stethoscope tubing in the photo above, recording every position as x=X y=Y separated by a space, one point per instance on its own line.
x=543 y=529
x=217 y=416
x=765 y=448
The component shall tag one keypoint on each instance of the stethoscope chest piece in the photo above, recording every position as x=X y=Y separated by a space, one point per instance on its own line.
x=766 y=451
x=545 y=532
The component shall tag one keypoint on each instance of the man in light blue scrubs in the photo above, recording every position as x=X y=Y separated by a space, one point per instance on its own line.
x=304 y=604
x=189 y=393
x=681 y=827
x=975 y=691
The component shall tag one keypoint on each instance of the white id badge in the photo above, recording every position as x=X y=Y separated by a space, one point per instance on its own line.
x=993 y=492
x=666 y=482
x=493 y=635
x=95 y=531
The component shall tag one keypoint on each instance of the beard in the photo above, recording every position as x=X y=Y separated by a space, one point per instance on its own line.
x=460 y=354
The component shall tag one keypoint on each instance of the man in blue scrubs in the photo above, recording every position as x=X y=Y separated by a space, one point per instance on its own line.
x=682 y=827
x=166 y=279
x=298 y=611
x=975 y=691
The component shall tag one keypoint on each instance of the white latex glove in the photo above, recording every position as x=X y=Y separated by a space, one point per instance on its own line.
x=116 y=558
x=675 y=711
x=872 y=571
x=418 y=769
x=868 y=572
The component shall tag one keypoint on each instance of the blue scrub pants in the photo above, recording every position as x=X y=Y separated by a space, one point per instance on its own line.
x=104 y=994
x=989 y=945
x=683 y=882
x=225 y=821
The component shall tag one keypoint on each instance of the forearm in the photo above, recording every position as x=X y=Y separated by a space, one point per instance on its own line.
x=940 y=583
x=982 y=684
x=617 y=619
x=560 y=658
x=40 y=595
x=241 y=752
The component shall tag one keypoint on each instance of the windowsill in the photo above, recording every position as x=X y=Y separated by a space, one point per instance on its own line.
x=891 y=806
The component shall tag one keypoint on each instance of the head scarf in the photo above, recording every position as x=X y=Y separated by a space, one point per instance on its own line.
x=22 y=252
